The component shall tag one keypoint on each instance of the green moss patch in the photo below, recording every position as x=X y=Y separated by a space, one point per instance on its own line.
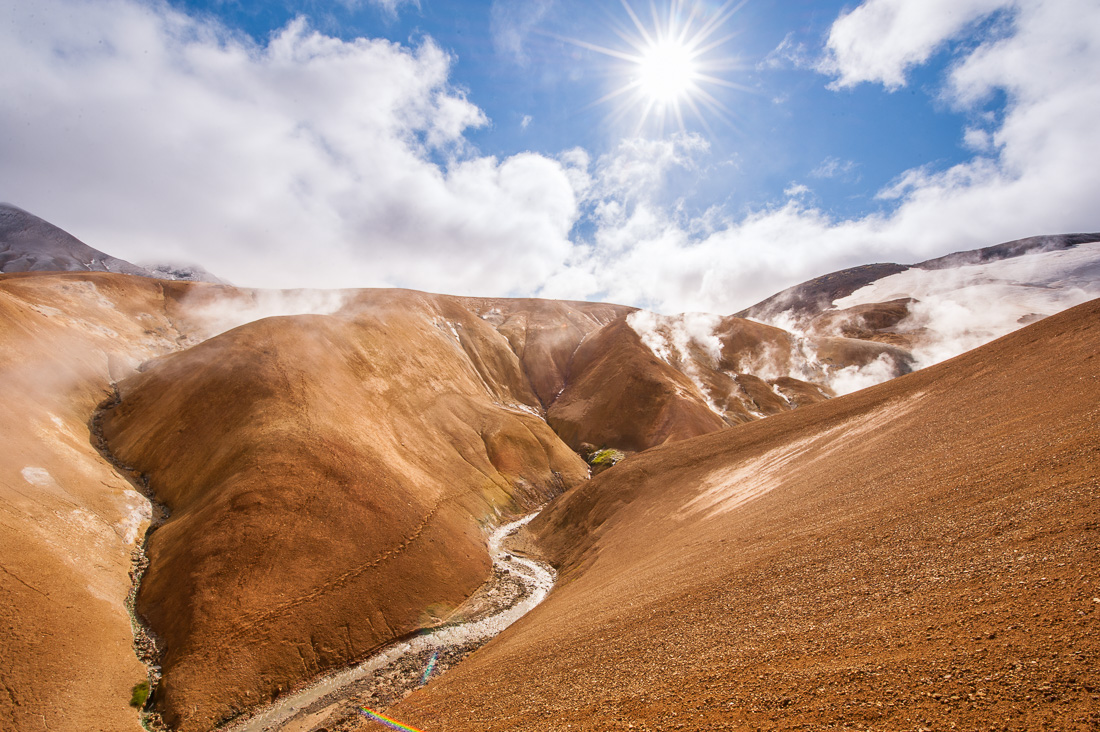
x=139 y=694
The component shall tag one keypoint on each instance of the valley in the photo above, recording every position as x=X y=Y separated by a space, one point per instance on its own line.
x=847 y=511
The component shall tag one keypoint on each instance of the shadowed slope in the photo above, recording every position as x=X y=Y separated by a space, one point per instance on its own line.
x=545 y=334
x=620 y=394
x=30 y=244
x=916 y=555
x=329 y=479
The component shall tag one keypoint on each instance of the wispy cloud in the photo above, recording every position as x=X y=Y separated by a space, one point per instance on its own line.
x=834 y=168
x=789 y=54
x=389 y=7
x=511 y=22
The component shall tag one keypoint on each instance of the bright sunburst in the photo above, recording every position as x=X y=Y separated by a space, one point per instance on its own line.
x=669 y=62
x=666 y=72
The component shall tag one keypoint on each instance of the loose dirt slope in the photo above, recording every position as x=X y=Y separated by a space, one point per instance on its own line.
x=919 y=555
x=68 y=521
x=329 y=478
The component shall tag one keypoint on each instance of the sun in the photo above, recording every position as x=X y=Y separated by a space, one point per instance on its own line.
x=666 y=72
x=667 y=63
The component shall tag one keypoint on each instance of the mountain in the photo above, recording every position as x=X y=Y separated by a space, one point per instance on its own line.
x=268 y=485
x=813 y=297
x=919 y=554
x=30 y=244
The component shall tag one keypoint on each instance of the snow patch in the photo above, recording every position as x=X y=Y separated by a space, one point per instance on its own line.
x=961 y=308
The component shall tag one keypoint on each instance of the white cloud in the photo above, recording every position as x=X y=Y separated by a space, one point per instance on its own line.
x=1037 y=175
x=880 y=40
x=788 y=54
x=312 y=161
x=389 y=7
x=526 y=121
x=309 y=161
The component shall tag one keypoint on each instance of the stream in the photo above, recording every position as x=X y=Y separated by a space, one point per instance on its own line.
x=516 y=585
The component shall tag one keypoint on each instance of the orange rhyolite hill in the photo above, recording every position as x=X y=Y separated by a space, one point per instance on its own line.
x=916 y=554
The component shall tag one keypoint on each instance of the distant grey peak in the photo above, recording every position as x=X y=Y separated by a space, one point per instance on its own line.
x=31 y=244
x=1010 y=249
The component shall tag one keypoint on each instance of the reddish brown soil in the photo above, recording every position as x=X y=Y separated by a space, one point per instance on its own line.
x=621 y=395
x=544 y=334
x=920 y=555
x=67 y=521
x=872 y=322
x=328 y=478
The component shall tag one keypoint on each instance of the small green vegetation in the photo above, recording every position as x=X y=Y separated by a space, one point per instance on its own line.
x=139 y=694
x=605 y=458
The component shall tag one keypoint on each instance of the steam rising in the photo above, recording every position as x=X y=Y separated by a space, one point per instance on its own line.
x=672 y=338
x=962 y=308
x=219 y=315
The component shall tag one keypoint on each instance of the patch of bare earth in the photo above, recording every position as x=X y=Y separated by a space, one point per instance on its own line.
x=923 y=555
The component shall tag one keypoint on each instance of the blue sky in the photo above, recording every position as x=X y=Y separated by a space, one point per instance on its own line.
x=460 y=146
x=784 y=128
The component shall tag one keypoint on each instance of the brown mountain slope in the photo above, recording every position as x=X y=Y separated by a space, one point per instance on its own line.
x=646 y=379
x=924 y=554
x=329 y=479
x=544 y=334
x=621 y=395
x=68 y=521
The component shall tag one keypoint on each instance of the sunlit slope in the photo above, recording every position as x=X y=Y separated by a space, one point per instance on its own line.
x=943 y=307
x=916 y=555
x=646 y=379
x=330 y=479
x=68 y=522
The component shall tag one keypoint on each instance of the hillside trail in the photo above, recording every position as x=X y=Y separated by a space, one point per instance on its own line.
x=516 y=585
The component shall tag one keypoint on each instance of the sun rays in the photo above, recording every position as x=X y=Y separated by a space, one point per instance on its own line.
x=667 y=63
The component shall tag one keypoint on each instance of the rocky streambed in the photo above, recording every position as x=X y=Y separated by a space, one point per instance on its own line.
x=332 y=703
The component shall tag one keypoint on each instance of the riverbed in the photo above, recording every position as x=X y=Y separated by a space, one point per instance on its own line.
x=517 y=584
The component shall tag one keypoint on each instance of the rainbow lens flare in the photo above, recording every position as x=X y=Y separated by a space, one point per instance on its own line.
x=383 y=719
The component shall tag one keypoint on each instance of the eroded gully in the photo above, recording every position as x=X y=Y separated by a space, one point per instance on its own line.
x=517 y=584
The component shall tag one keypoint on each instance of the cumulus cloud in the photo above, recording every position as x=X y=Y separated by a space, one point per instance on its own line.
x=880 y=40
x=1033 y=172
x=308 y=160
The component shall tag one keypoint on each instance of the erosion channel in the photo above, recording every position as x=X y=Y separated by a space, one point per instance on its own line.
x=516 y=585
